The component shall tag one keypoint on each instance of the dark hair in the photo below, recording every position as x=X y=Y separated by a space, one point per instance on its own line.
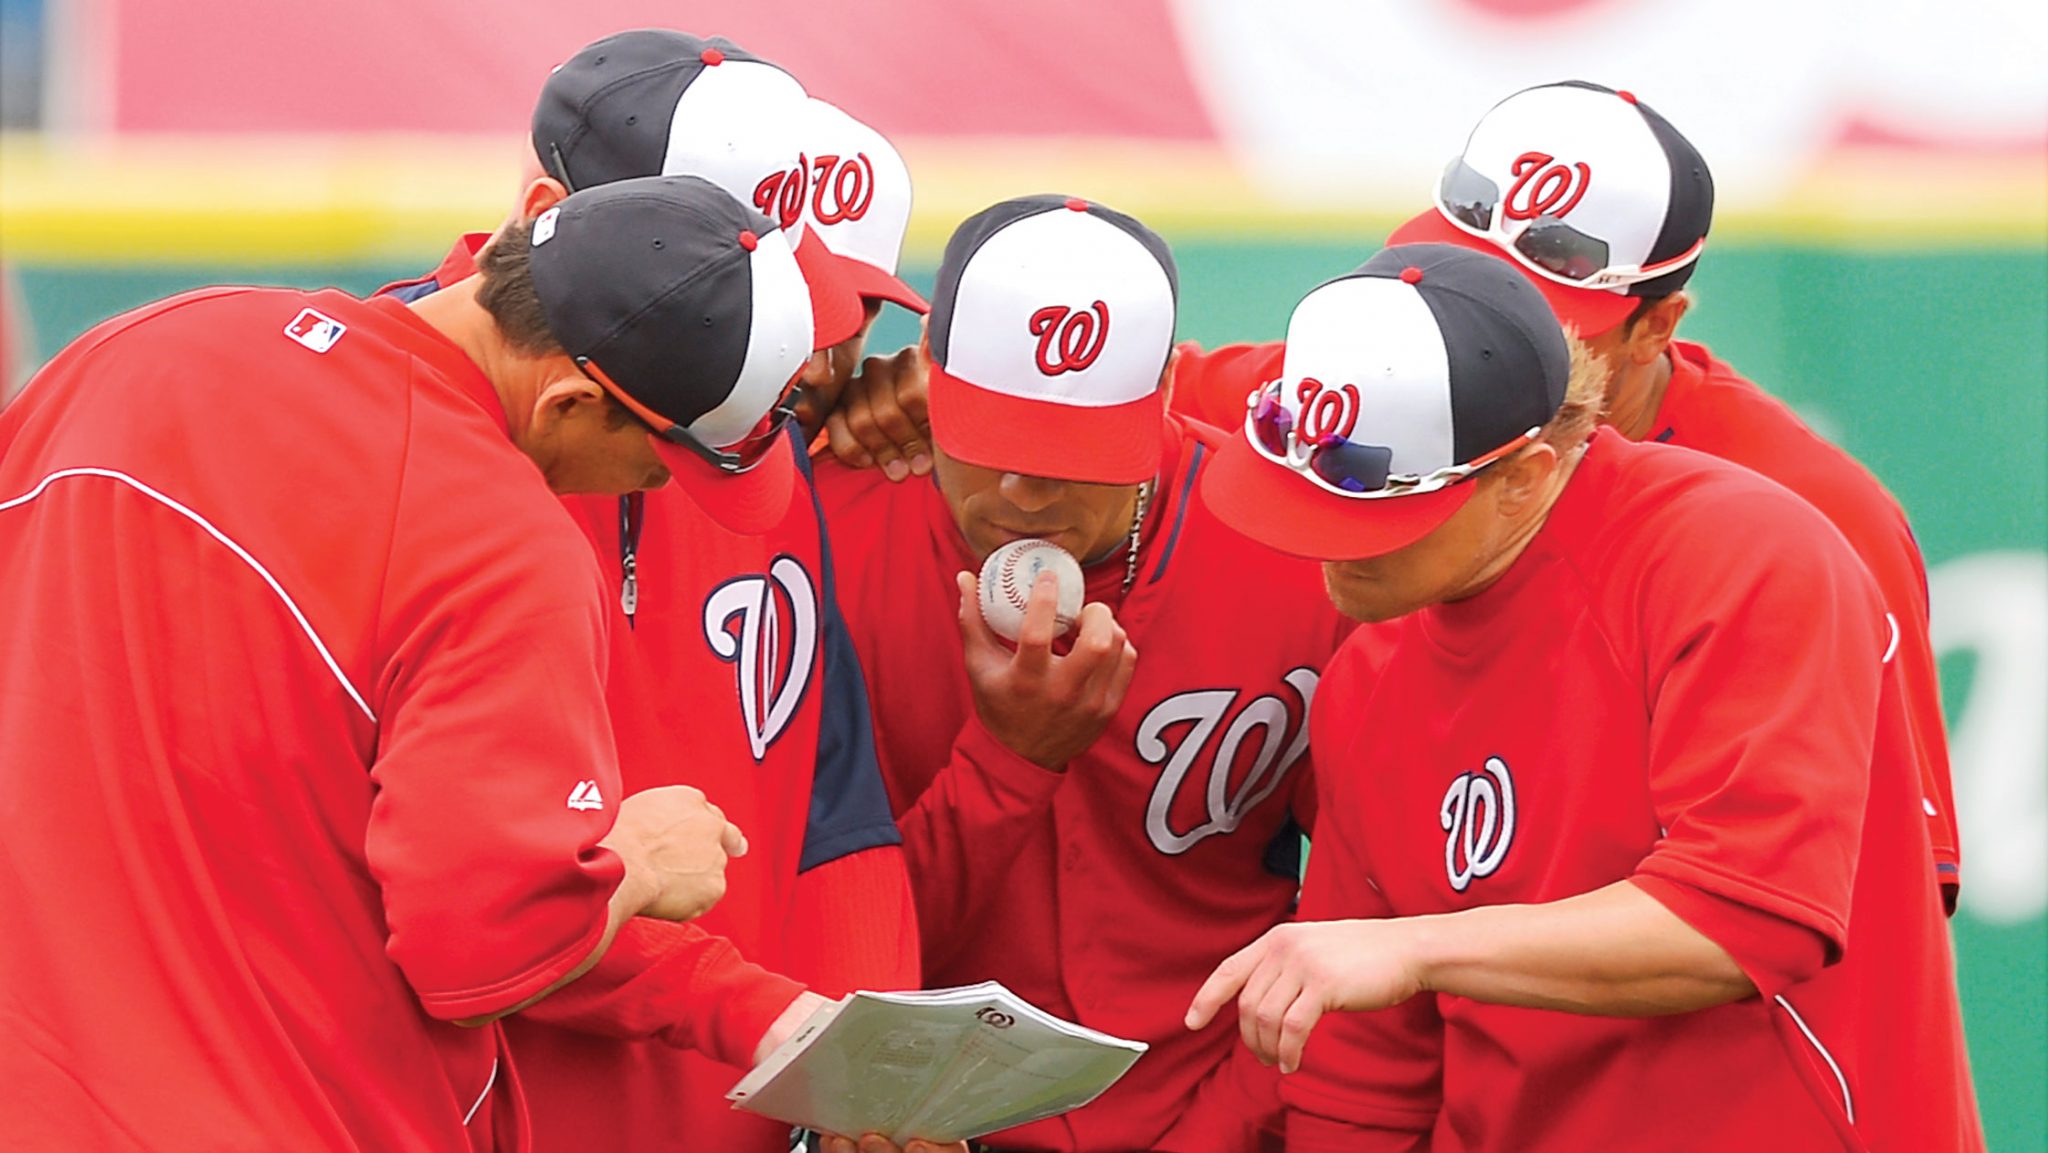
x=507 y=292
x=508 y=295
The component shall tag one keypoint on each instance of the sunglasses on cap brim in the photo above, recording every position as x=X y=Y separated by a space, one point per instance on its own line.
x=1548 y=245
x=737 y=457
x=1350 y=468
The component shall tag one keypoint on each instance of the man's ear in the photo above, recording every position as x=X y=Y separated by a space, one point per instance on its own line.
x=565 y=389
x=1521 y=479
x=541 y=195
x=1652 y=332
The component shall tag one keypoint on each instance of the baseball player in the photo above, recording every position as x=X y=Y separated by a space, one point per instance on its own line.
x=1605 y=206
x=301 y=714
x=1093 y=827
x=1610 y=829
x=730 y=668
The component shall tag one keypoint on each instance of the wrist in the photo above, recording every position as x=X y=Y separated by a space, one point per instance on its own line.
x=637 y=889
x=1428 y=950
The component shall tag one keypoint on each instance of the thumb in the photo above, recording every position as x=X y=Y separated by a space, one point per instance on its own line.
x=733 y=840
x=978 y=642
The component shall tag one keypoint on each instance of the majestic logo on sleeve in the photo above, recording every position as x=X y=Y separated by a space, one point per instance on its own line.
x=1544 y=187
x=1282 y=737
x=1478 y=817
x=1069 y=341
x=842 y=187
x=1326 y=410
x=768 y=627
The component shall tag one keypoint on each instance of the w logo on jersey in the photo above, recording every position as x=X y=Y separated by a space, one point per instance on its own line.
x=768 y=626
x=1204 y=711
x=1478 y=817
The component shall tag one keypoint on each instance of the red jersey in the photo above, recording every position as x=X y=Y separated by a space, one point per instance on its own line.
x=1709 y=408
x=301 y=737
x=1685 y=681
x=731 y=671
x=1106 y=893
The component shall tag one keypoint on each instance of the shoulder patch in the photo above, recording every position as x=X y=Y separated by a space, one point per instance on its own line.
x=315 y=329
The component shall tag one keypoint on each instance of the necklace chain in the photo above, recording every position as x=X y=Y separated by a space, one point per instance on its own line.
x=1137 y=524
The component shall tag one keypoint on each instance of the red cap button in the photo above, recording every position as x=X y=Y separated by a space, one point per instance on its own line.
x=1077 y=204
x=1411 y=275
x=748 y=240
x=712 y=56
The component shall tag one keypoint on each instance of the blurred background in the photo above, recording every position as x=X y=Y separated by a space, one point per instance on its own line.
x=1879 y=259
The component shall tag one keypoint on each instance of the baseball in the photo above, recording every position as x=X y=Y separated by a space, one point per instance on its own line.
x=1008 y=574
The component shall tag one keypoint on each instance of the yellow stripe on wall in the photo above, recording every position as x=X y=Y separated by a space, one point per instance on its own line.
x=243 y=200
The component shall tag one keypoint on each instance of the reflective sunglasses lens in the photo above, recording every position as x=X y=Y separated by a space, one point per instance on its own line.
x=1352 y=467
x=1561 y=249
x=1467 y=196
x=1271 y=424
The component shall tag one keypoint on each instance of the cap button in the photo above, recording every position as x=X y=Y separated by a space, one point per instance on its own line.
x=1625 y=94
x=712 y=56
x=1411 y=275
x=748 y=240
x=1077 y=204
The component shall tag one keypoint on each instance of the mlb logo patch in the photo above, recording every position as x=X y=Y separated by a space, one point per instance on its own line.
x=315 y=330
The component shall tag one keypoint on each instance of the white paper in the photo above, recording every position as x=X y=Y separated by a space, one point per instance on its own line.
x=939 y=1064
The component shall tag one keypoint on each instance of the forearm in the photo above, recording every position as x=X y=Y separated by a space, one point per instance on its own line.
x=1613 y=952
x=965 y=831
x=860 y=909
x=635 y=892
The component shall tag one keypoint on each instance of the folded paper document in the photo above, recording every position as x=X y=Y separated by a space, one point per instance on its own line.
x=940 y=1064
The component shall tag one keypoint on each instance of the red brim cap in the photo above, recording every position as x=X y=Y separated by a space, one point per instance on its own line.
x=1109 y=444
x=836 y=309
x=746 y=503
x=1591 y=311
x=871 y=283
x=1281 y=509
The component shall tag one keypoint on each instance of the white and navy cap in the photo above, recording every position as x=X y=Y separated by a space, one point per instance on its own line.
x=652 y=102
x=1399 y=382
x=1591 y=192
x=859 y=201
x=690 y=310
x=1052 y=320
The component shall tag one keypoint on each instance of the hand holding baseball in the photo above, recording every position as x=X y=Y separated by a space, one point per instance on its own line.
x=1044 y=706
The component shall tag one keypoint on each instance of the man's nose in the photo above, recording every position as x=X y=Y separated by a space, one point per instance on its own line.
x=1030 y=493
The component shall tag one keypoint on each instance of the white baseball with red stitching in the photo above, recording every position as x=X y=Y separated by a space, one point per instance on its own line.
x=1006 y=579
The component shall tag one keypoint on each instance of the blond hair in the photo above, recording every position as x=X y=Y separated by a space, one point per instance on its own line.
x=1585 y=399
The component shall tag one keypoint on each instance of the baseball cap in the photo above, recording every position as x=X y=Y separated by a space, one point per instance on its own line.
x=689 y=309
x=1051 y=321
x=859 y=202
x=1587 y=189
x=653 y=102
x=1399 y=381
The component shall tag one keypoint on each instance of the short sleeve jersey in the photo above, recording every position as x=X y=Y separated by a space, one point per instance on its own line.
x=1686 y=681
x=1107 y=893
x=304 y=689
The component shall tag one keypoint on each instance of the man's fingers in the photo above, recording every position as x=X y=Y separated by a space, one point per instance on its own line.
x=733 y=840
x=844 y=445
x=1262 y=1009
x=1300 y=1018
x=1223 y=984
x=1041 y=624
x=978 y=642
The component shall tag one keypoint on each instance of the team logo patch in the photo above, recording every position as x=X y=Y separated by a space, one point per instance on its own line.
x=767 y=626
x=841 y=187
x=1326 y=410
x=1069 y=341
x=1478 y=818
x=315 y=329
x=1544 y=187
x=1235 y=783
x=780 y=195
